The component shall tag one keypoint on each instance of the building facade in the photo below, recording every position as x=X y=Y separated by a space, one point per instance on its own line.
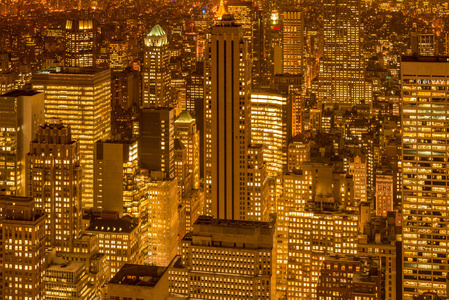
x=81 y=98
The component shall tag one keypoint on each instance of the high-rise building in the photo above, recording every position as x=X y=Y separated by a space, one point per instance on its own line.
x=156 y=69
x=22 y=252
x=54 y=181
x=269 y=128
x=424 y=172
x=156 y=140
x=116 y=185
x=312 y=236
x=227 y=122
x=342 y=77
x=81 y=98
x=187 y=132
x=80 y=43
x=225 y=259
x=163 y=219
x=21 y=113
x=384 y=193
x=293 y=42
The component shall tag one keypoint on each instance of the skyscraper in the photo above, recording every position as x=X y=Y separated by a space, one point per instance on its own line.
x=424 y=169
x=54 y=181
x=156 y=140
x=341 y=77
x=293 y=42
x=22 y=254
x=269 y=127
x=156 y=70
x=115 y=177
x=81 y=98
x=80 y=42
x=21 y=113
x=186 y=131
x=227 y=123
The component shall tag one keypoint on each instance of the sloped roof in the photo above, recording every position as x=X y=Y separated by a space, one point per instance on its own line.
x=157 y=31
x=184 y=117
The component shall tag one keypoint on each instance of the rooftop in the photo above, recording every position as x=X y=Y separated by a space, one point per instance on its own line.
x=19 y=93
x=70 y=267
x=157 y=31
x=71 y=70
x=108 y=225
x=425 y=58
x=205 y=220
x=185 y=117
x=138 y=275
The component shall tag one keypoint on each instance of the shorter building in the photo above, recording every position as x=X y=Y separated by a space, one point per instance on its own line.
x=118 y=239
x=384 y=193
x=349 y=278
x=220 y=257
x=68 y=281
x=298 y=152
x=139 y=282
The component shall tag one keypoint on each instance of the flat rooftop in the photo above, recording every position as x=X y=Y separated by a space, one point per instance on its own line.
x=69 y=267
x=425 y=58
x=71 y=70
x=108 y=225
x=19 y=93
x=205 y=220
x=138 y=275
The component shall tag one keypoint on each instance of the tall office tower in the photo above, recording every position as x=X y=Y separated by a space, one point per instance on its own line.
x=227 y=259
x=358 y=169
x=186 y=131
x=80 y=98
x=312 y=236
x=227 y=122
x=195 y=105
x=80 y=43
x=21 y=113
x=156 y=140
x=68 y=281
x=257 y=207
x=424 y=169
x=195 y=93
x=296 y=192
x=342 y=77
x=181 y=173
x=163 y=219
x=22 y=254
x=293 y=42
x=54 y=181
x=119 y=239
x=116 y=186
x=269 y=127
x=424 y=44
x=125 y=88
x=156 y=70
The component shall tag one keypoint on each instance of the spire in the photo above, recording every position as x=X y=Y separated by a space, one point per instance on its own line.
x=221 y=10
